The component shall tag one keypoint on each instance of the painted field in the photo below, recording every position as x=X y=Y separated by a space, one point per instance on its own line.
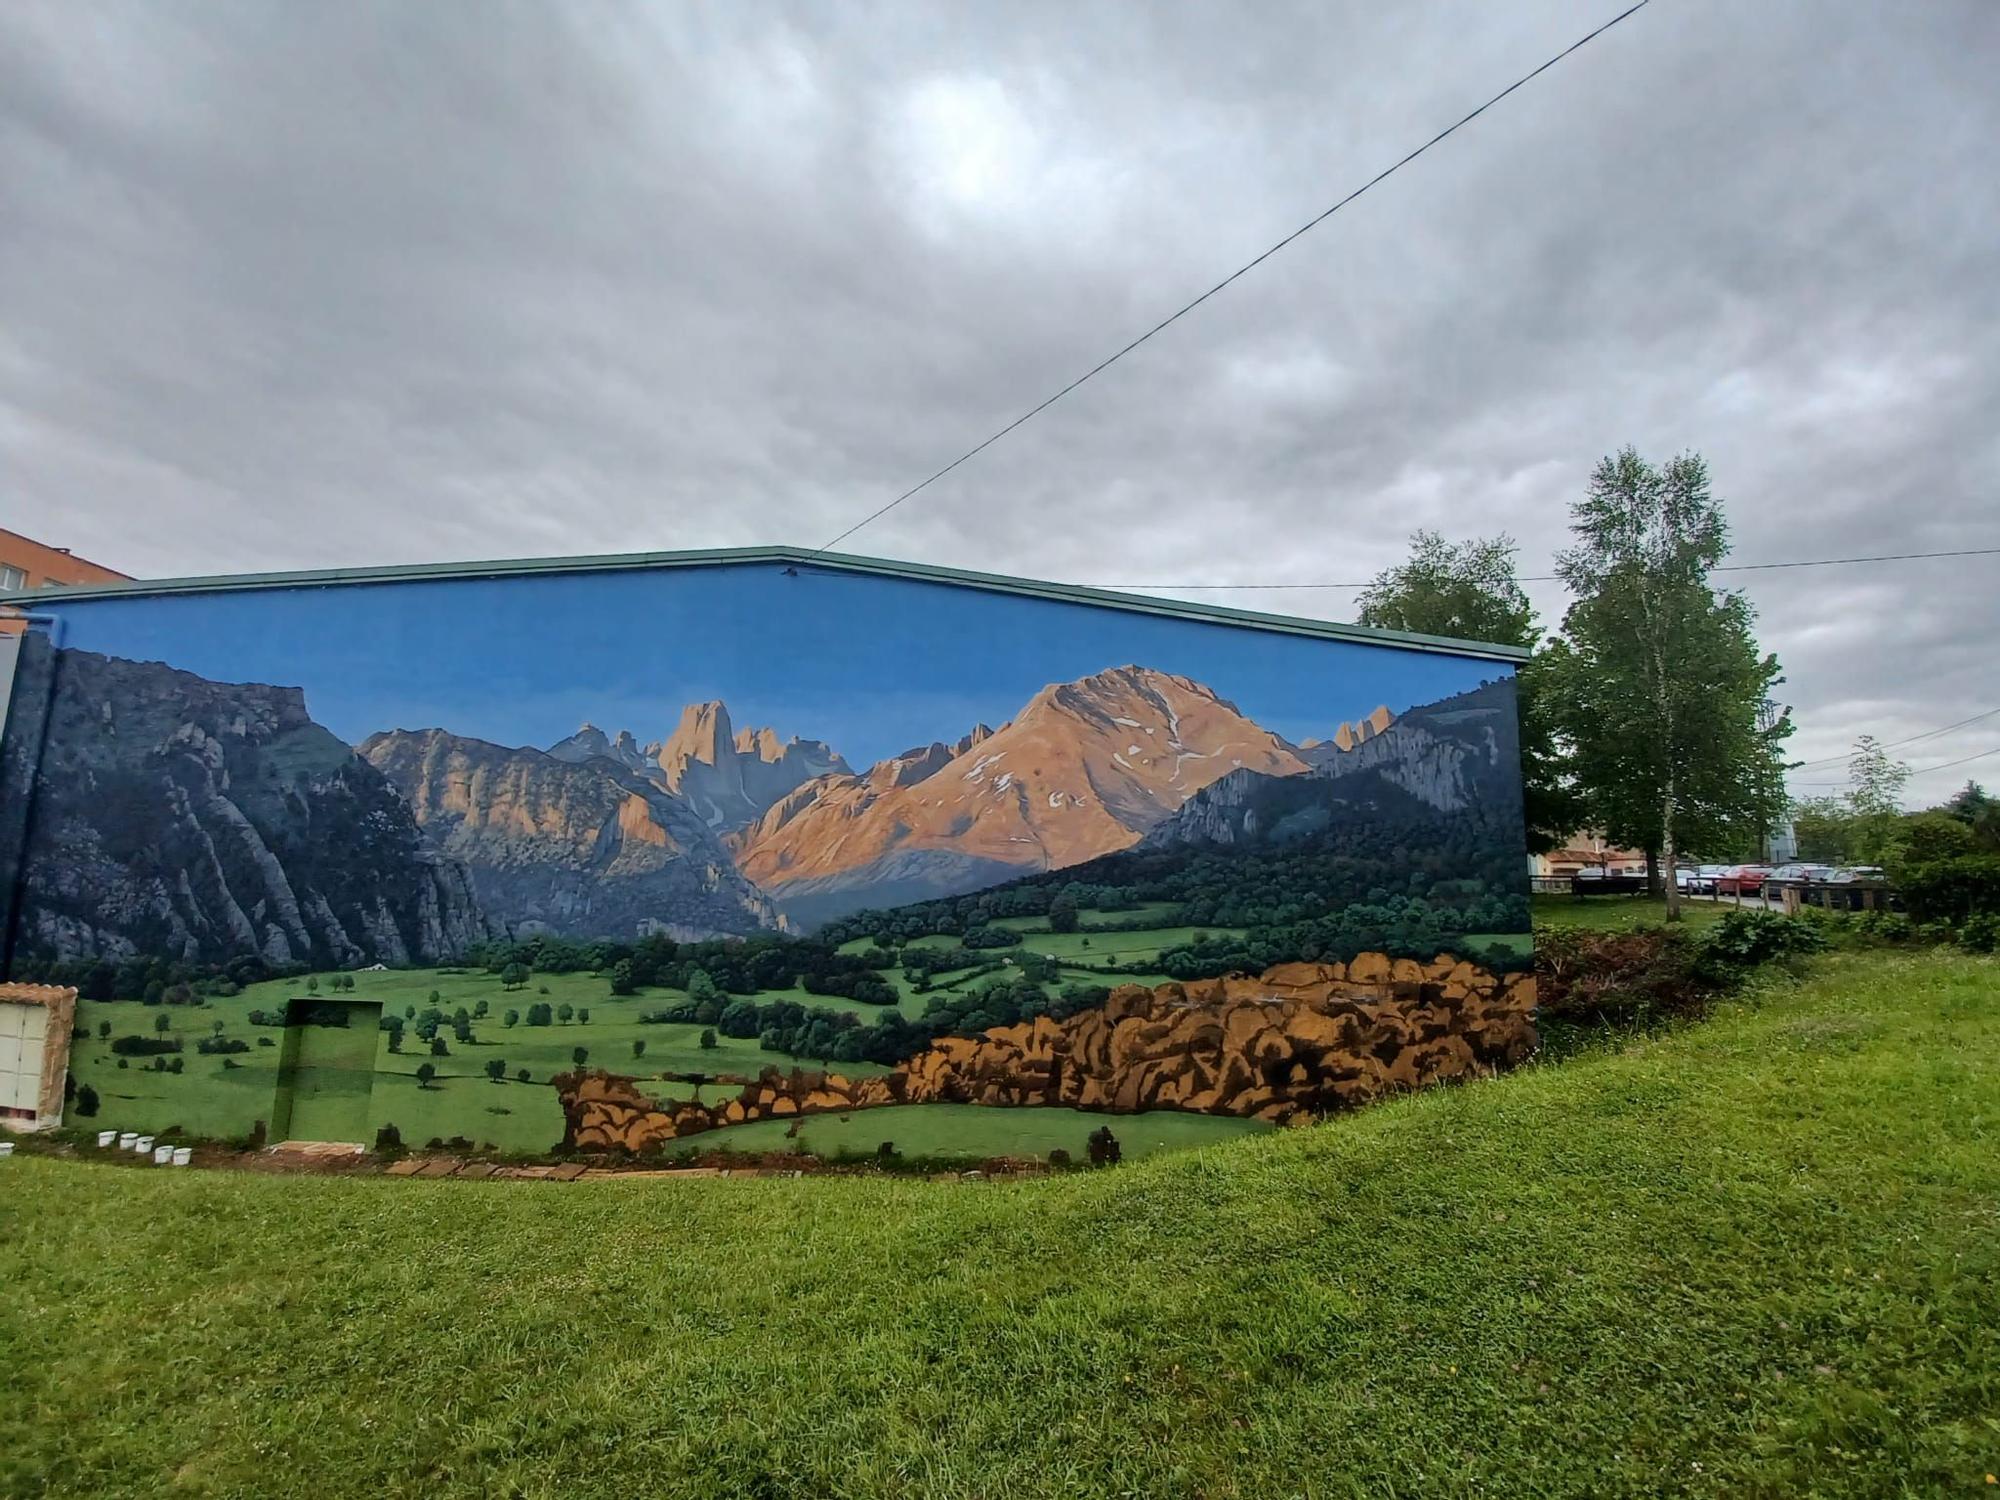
x=225 y=1095
x=976 y=1132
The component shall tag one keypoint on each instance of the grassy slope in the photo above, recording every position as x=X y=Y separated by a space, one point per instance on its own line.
x=1755 y=1257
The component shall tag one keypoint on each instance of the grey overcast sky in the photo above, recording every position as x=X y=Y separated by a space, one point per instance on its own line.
x=288 y=285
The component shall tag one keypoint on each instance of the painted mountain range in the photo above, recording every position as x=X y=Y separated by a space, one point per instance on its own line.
x=205 y=819
x=1456 y=758
x=593 y=847
x=1086 y=768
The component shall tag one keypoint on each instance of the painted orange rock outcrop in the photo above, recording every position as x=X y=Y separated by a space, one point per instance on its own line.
x=1296 y=1042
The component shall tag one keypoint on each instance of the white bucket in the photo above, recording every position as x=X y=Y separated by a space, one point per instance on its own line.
x=125 y=1139
x=6 y=1149
x=183 y=1155
x=143 y=1144
x=162 y=1155
x=107 y=1137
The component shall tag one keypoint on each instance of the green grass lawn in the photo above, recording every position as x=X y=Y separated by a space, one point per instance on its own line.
x=1758 y=1256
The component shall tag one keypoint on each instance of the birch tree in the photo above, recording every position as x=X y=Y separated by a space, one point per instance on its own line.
x=1656 y=682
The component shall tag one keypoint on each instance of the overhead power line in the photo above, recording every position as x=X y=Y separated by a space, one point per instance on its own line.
x=1810 y=562
x=1962 y=760
x=1928 y=734
x=1242 y=270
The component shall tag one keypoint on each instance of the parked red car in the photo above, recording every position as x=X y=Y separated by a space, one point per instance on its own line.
x=1742 y=880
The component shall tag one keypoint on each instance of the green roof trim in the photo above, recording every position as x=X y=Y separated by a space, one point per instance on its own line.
x=795 y=557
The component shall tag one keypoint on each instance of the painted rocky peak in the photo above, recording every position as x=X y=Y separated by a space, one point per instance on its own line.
x=204 y=820
x=1290 y=1045
x=728 y=777
x=582 y=844
x=1084 y=769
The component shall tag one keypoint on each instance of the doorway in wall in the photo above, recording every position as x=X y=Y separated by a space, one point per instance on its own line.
x=326 y=1070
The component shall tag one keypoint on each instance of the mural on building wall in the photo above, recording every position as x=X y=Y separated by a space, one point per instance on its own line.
x=628 y=857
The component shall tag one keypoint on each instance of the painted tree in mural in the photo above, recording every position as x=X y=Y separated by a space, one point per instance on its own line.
x=1657 y=682
x=1468 y=591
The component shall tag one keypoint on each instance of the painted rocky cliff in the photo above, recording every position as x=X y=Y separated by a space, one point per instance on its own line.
x=1290 y=1045
x=203 y=820
x=584 y=843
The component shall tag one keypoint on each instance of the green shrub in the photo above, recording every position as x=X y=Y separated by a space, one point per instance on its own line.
x=1744 y=940
x=1967 y=885
x=1980 y=933
x=144 y=1046
x=1884 y=928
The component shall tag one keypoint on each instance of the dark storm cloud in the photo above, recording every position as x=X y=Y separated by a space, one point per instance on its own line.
x=307 y=285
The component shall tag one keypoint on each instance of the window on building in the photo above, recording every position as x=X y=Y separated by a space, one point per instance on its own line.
x=12 y=578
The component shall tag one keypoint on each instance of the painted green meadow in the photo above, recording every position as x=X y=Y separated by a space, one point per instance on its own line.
x=223 y=1096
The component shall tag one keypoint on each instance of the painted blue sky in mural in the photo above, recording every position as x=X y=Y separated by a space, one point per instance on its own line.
x=872 y=665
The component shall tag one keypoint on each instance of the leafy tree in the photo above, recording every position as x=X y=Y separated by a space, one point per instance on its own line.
x=496 y=1069
x=522 y=1076
x=564 y=1012
x=638 y=1046
x=163 y=1023
x=583 y=1015
x=622 y=980
x=1062 y=914
x=1466 y=590
x=579 y=1055
x=86 y=1100
x=312 y=984
x=1824 y=830
x=438 y=1048
x=425 y=1073
x=461 y=1032
x=1978 y=812
x=514 y=976
x=434 y=997
x=1875 y=783
x=512 y=1018
x=479 y=1011
x=708 y=1042
x=103 y=1030
x=1657 y=682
